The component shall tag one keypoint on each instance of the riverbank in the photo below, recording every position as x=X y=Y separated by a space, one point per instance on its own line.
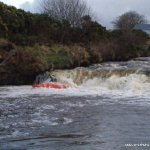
x=19 y=65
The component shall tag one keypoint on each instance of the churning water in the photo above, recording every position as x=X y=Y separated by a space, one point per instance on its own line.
x=106 y=107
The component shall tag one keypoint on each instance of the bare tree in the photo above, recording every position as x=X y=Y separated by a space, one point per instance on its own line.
x=66 y=10
x=128 y=20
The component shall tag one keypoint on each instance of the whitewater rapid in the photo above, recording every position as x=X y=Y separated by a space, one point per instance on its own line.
x=105 y=107
x=114 y=79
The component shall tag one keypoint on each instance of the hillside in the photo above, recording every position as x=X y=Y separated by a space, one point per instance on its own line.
x=34 y=43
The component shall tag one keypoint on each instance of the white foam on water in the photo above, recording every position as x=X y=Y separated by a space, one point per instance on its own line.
x=44 y=120
x=46 y=107
x=67 y=120
x=133 y=84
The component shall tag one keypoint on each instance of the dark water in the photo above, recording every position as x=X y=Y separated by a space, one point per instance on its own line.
x=73 y=123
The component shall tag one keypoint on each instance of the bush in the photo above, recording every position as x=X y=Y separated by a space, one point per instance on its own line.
x=22 y=67
x=65 y=56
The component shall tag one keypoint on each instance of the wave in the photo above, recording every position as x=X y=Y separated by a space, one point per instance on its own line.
x=125 y=78
x=131 y=76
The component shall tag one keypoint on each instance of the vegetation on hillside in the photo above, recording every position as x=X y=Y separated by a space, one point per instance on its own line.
x=34 y=43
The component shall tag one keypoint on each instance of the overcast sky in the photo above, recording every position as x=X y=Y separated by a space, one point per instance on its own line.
x=105 y=10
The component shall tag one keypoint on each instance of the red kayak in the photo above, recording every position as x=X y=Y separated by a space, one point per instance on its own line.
x=51 y=85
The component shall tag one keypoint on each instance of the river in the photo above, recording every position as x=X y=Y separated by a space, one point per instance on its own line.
x=102 y=110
